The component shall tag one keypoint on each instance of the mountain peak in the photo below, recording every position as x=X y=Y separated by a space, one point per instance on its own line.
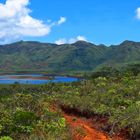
x=128 y=42
x=82 y=44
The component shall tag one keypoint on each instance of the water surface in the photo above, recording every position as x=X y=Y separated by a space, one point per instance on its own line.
x=35 y=79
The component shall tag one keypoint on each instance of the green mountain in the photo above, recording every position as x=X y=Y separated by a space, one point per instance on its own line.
x=80 y=56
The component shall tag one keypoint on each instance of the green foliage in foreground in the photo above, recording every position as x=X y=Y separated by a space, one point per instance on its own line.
x=25 y=109
x=28 y=117
x=117 y=99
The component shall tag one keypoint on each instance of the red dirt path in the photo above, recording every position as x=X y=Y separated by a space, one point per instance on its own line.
x=86 y=127
x=90 y=133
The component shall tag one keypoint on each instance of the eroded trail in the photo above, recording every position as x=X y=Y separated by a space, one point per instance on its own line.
x=83 y=130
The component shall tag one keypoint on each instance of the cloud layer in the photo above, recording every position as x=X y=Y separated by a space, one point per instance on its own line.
x=16 y=22
x=71 y=40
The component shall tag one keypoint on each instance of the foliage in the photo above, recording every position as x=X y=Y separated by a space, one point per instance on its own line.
x=26 y=110
x=30 y=117
x=113 y=98
x=6 y=138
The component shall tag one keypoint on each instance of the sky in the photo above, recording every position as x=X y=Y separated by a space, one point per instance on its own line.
x=66 y=21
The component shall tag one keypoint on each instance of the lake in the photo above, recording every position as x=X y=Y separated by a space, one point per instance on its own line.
x=35 y=79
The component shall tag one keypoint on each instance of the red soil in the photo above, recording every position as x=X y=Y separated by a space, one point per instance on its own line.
x=89 y=133
x=85 y=129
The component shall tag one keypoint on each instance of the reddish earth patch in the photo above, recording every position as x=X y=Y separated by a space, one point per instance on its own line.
x=84 y=128
x=87 y=131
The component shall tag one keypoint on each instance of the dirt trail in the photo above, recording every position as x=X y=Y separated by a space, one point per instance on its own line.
x=83 y=130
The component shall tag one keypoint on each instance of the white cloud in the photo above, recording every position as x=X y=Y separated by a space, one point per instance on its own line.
x=82 y=38
x=16 y=22
x=60 y=41
x=138 y=13
x=71 y=40
x=62 y=20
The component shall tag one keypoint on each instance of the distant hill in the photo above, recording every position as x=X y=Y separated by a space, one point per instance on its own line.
x=79 y=56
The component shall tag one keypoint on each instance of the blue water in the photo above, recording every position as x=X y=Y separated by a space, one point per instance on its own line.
x=7 y=79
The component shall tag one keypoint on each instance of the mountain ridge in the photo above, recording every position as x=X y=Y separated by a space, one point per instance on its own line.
x=78 y=56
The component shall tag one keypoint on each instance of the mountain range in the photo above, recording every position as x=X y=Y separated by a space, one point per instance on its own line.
x=79 y=56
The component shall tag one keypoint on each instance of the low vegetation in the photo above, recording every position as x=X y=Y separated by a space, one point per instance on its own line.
x=29 y=117
x=26 y=111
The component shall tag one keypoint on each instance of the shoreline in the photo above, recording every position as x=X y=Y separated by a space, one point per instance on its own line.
x=31 y=77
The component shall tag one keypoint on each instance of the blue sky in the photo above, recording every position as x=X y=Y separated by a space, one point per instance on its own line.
x=98 y=21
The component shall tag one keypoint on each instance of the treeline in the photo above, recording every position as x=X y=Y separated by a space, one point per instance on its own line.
x=128 y=70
